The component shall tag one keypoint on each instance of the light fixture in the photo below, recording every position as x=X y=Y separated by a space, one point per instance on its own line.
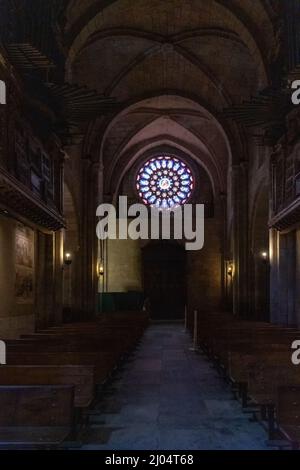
x=264 y=255
x=100 y=269
x=68 y=259
x=229 y=268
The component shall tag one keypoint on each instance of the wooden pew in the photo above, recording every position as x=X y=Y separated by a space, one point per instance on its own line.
x=240 y=360
x=264 y=378
x=81 y=377
x=67 y=344
x=251 y=337
x=242 y=364
x=103 y=363
x=247 y=353
x=35 y=416
x=123 y=340
x=288 y=414
x=71 y=358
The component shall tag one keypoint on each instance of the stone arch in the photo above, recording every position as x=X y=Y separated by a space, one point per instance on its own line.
x=207 y=110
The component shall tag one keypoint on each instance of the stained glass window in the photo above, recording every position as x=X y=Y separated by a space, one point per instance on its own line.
x=165 y=182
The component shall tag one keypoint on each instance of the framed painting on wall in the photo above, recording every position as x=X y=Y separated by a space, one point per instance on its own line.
x=24 y=264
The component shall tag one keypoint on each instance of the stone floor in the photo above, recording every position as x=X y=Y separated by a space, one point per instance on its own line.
x=169 y=398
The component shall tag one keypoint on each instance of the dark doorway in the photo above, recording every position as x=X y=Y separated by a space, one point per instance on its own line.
x=164 y=280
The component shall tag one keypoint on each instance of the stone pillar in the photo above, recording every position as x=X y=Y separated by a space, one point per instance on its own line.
x=100 y=168
x=101 y=244
x=48 y=279
x=297 y=281
x=240 y=240
x=223 y=236
x=88 y=238
x=58 y=277
x=41 y=319
x=274 y=276
x=292 y=33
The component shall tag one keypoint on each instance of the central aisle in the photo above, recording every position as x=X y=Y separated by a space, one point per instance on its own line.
x=170 y=398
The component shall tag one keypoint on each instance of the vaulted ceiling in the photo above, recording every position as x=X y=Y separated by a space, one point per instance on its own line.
x=204 y=34
x=173 y=67
x=164 y=120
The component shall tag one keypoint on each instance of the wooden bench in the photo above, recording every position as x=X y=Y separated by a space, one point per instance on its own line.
x=66 y=344
x=51 y=374
x=81 y=377
x=242 y=363
x=288 y=414
x=122 y=340
x=264 y=378
x=35 y=416
x=103 y=363
x=256 y=357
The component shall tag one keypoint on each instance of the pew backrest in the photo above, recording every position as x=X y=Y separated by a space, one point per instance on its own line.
x=45 y=406
x=81 y=377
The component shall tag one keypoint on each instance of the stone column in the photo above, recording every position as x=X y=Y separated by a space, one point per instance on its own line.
x=88 y=239
x=45 y=280
x=297 y=281
x=240 y=239
x=58 y=277
x=223 y=236
x=274 y=276
x=41 y=319
x=101 y=244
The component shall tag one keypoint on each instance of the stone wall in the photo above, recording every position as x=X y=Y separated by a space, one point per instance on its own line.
x=123 y=268
x=204 y=270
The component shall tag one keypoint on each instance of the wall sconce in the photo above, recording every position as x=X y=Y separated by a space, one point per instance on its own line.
x=100 y=269
x=230 y=270
x=68 y=259
x=264 y=255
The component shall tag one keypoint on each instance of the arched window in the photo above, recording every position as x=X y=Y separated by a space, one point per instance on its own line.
x=165 y=182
